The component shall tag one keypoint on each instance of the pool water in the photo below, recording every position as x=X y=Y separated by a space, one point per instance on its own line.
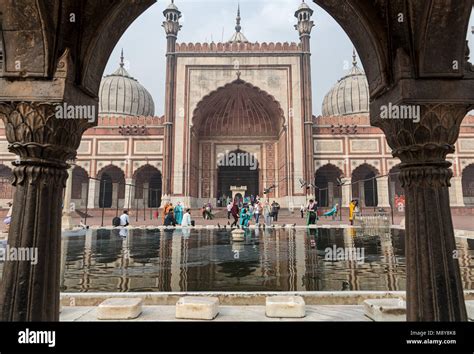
x=268 y=260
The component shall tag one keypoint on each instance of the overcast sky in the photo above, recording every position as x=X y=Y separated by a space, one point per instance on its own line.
x=144 y=43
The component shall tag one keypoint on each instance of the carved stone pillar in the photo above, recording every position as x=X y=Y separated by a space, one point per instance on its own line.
x=30 y=292
x=434 y=287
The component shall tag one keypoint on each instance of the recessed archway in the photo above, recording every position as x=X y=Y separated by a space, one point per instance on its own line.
x=148 y=184
x=112 y=187
x=364 y=185
x=80 y=181
x=238 y=115
x=328 y=193
x=6 y=180
x=468 y=185
x=237 y=168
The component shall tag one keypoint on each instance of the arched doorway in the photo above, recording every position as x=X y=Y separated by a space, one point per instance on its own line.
x=148 y=183
x=364 y=185
x=112 y=187
x=6 y=188
x=80 y=184
x=328 y=193
x=468 y=185
x=237 y=134
x=237 y=168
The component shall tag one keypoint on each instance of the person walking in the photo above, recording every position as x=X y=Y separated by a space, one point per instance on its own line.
x=257 y=212
x=235 y=214
x=124 y=219
x=267 y=214
x=229 y=210
x=302 y=210
x=275 y=210
x=312 y=212
x=187 y=219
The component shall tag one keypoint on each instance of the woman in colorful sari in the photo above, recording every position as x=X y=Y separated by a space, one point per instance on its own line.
x=351 y=211
x=245 y=217
x=178 y=213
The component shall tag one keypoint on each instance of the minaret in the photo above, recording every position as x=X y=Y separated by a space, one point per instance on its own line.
x=304 y=27
x=172 y=27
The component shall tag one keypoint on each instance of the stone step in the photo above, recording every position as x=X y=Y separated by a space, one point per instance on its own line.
x=197 y=308
x=120 y=309
x=385 y=310
x=285 y=307
x=470 y=309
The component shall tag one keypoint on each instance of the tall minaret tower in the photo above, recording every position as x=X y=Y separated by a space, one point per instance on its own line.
x=172 y=27
x=304 y=27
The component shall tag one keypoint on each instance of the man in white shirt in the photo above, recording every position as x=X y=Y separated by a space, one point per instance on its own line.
x=187 y=218
x=124 y=221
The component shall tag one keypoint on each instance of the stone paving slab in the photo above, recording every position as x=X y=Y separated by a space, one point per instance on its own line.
x=226 y=314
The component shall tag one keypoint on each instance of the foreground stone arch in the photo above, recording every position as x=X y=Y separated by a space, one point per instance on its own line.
x=421 y=60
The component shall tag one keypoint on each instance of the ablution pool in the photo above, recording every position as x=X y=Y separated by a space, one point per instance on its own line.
x=324 y=259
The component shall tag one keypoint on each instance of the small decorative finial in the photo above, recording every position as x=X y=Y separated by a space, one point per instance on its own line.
x=354 y=57
x=238 y=28
x=121 y=59
x=238 y=75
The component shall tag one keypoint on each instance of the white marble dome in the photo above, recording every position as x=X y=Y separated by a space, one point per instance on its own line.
x=349 y=96
x=122 y=95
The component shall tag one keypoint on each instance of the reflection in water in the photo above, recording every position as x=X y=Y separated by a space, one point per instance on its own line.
x=268 y=260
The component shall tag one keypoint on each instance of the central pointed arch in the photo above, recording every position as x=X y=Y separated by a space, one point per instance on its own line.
x=238 y=116
x=236 y=108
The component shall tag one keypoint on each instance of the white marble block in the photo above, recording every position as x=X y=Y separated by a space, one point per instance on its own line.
x=470 y=309
x=197 y=308
x=120 y=309
x=238 y=235
x=285 y=306
x=385 y=309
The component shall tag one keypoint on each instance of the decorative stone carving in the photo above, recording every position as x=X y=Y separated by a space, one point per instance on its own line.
x=434 y=288
x=44 y=144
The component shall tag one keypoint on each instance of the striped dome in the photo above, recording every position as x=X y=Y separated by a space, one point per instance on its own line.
x=122 y=95
x=349 y=96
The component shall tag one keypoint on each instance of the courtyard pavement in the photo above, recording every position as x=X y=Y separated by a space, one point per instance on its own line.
x=226 y=313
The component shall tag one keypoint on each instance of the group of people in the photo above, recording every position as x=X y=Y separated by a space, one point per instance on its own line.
x=206 y=211
x=249 y=210
x=311 y=211
x=242 y=211
x=173 y=215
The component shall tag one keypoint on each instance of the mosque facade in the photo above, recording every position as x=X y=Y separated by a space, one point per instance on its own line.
x=239 y=114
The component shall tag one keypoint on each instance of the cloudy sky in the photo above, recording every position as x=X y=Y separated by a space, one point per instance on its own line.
x=144 y=43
